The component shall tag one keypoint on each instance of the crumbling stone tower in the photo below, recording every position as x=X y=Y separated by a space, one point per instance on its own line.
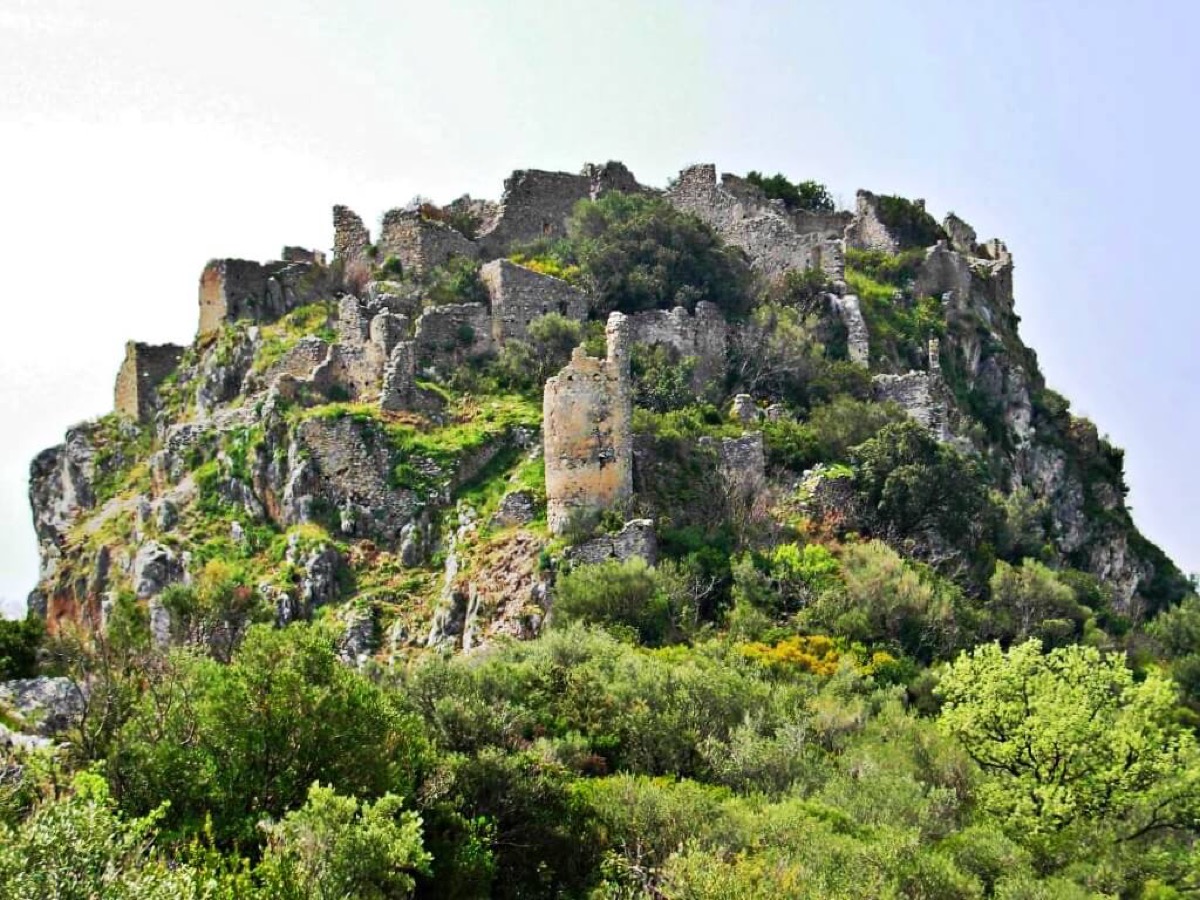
x=588 y=425
x=145 y=367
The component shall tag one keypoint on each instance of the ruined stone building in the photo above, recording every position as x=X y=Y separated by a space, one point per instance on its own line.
x=588 y=428
x=145 y=367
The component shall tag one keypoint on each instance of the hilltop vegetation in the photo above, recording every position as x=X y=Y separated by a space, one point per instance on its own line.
x=918 y=649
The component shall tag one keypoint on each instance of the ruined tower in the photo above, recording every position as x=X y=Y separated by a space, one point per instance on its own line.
x=588 y=419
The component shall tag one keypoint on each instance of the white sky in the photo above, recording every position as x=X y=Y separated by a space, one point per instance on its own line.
x=138 y=139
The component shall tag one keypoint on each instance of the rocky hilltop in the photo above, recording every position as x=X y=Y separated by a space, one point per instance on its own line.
x=415 y=434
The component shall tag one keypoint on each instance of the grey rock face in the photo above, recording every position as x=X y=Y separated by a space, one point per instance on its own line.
x=154 y=567
x=47 y=706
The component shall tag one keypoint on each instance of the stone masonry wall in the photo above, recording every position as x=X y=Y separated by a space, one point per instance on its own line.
x=420 y=244
x=743 y=216
x=703 y=335
x=350 y=237
x=520 y=295
x=535 y=204
x=233 y=289
x=858 y=337
x=143 y=370
x=588 y=416
x=867 y=232
x=448 y=334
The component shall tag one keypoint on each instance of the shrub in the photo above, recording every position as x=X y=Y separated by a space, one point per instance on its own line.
x=639 y=252
x=19 y=643
x=455 y=281
x=611 y=593
x=392 y=267
x=662 y=380
x=550 y=339
x=908 y=222
x=807 y=195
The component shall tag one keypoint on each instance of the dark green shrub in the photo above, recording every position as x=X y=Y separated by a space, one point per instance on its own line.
x=640 y=253
x=662 y=380
x=19 y=643
x=806 y=195
x=614 y=593
x=911 y=225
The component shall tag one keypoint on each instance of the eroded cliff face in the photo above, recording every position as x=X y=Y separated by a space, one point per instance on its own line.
x=300 y=440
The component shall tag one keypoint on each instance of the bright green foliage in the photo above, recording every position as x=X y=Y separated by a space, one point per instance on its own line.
x=1030 y=601
x=1068 y=739
x=899 y=326
x=19 y=643
x=783 y=581
x=252 y=735
x=81 y=848
x=639 y=252
x=896 y=269
x=885 y=600
x=455 y=281
x=806 y=195
x=526 y=364
x=334 y=847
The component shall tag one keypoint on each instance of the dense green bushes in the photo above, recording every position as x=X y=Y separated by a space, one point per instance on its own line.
x=19 y=642
x=811 y=196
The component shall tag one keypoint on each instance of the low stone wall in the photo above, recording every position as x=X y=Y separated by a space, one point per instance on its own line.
x=636 y=538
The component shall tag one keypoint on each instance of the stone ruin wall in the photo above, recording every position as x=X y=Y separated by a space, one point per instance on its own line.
x=703 y=335
x=145 y=367
x=922 y=395
x=419 y=243
x=867 y=231
x=233 y=289
x=520 y=295
x=536 y=204
x=588 y=433
x=858 y=337
x=351 y=239
x=450 y=333
x=745 y=218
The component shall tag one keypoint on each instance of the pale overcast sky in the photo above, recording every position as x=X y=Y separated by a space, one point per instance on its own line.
x=139 y=138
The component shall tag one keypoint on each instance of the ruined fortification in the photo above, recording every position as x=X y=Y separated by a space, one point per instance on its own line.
x=145 y=367
x=587 y=416
x=376 y=337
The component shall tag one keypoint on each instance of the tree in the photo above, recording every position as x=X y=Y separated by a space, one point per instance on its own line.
x=335 y=847
x=245 y=740
x=917 y=487
x=1030 y=601
x=19 y=642
x=640 y=253
x=806 y=195
x=1068 y=738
